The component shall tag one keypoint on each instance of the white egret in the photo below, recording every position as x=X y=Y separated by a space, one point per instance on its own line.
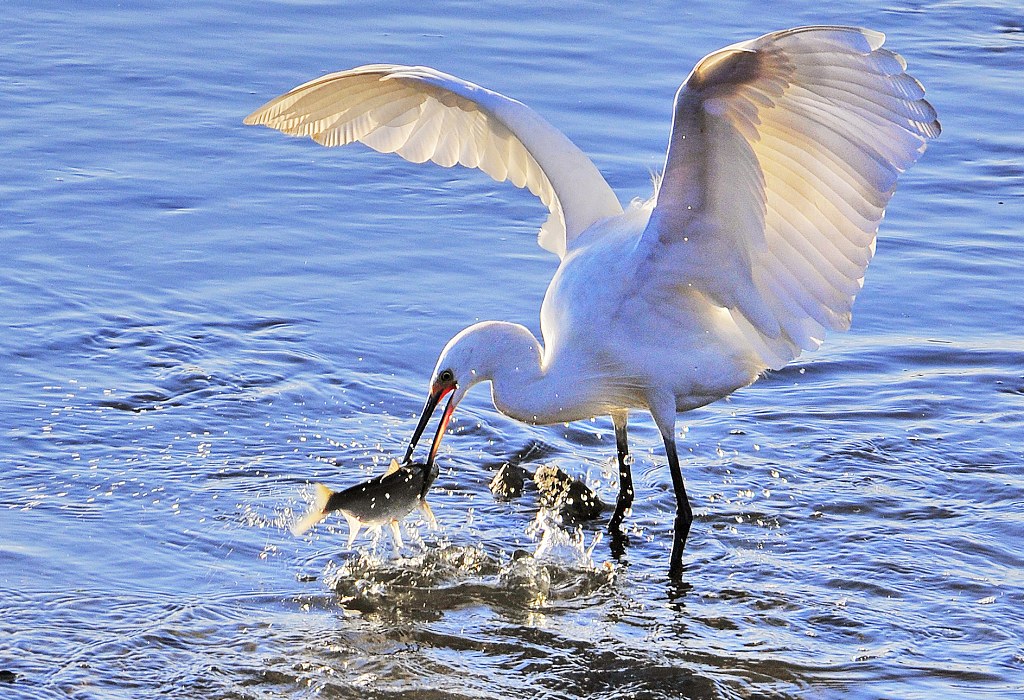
x=783 y=154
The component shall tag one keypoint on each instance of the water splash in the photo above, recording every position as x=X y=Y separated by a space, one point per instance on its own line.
x=556 y=544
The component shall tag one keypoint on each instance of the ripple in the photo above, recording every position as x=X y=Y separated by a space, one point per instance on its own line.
x=201 y=318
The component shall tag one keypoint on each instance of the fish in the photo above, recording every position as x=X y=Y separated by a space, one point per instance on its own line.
x=383 y=500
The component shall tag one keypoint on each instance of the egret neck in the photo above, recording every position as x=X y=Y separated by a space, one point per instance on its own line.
x=526 y=383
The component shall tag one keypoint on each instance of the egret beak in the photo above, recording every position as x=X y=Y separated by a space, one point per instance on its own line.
x=438 y=392
x=441 y=427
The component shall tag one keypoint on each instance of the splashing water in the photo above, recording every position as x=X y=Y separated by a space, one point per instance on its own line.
x=564 y=546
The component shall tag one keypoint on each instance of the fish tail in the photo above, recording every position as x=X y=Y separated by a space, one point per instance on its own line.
x=316 y=513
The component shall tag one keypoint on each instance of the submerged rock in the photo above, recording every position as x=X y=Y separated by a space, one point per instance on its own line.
x=572 y=499
x=508 y=483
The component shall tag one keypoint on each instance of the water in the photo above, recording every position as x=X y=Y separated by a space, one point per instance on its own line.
x=200 y=318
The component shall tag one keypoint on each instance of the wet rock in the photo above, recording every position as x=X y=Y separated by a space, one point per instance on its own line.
x=573 y=500
x=508 y=483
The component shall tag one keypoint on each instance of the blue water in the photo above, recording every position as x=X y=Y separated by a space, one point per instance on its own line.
x=199 y=318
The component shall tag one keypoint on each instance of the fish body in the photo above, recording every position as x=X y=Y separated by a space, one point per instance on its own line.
x=382 y=500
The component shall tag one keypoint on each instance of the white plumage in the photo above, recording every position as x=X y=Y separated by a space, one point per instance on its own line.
x=422 y=114
x=783 y=155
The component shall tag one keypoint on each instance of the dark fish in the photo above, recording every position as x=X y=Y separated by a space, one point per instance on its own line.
x=383 y=500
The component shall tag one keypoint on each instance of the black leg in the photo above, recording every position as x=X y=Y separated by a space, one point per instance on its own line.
x=625 y=499
x=684 y=516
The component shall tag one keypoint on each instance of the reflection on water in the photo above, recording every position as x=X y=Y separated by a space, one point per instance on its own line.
x=202 y=319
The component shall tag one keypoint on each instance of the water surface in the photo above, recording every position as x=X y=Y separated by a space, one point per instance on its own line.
x=201 y=318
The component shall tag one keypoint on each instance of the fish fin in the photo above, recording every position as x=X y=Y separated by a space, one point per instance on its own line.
x=316 y=513
x=396 y=533
x=354 y=526
x=393 y=467
x=428 y=514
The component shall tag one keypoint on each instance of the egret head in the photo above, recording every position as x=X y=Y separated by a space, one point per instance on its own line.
x=471 y=357
x=457 y=370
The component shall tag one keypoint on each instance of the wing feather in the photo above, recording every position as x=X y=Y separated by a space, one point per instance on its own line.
x=422 y=114
x=785 y=151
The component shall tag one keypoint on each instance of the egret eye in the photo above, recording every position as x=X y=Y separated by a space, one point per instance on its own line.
x=446 y=376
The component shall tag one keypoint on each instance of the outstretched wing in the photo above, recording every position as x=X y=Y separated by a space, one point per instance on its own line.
x=784 y=153
x=422 y=114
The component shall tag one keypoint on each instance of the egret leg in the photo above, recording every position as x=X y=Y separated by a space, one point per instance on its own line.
x=663 y=410
x=684 y=515
x=625 y=499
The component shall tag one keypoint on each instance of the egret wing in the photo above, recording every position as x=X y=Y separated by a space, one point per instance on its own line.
x=422 y=114
x=784 y=153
